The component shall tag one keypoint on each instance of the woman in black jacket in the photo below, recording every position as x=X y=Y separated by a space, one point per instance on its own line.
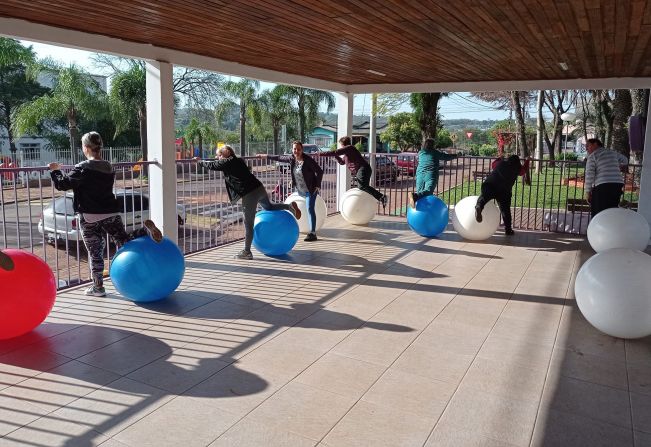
x=242 y=184
x=306 y=178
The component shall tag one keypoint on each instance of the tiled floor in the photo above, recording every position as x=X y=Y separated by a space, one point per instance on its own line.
x=370 y=337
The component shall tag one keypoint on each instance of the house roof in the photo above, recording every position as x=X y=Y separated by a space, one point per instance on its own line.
x=361 y=124
x=377 y=42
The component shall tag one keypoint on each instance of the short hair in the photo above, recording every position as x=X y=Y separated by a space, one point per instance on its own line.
x=429 y=143
x=228 y=148
x=297 y=142
x=346 y=141
x=596 y=141
x=93 y=141
x=514 y=158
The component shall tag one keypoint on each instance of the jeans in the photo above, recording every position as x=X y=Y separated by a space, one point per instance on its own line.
x=604 y=196
x=489 y=192
x=94 y=236
x=363 y=179
x=310 y=202
x=250 y=204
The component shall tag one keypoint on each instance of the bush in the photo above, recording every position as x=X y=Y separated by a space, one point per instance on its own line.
x=569 y=156
x=333 y=147
x=359 y=147
x=486 y=150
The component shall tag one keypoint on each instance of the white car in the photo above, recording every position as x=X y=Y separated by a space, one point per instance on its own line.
x=134 y=206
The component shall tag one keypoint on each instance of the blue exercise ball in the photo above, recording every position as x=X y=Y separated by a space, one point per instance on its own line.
x=144 y=270
x=275 y=232
x=429 y=218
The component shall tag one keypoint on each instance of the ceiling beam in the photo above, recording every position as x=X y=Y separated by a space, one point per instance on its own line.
x=22 y=29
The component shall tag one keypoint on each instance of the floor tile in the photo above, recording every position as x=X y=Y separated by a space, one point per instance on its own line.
x=251 y=433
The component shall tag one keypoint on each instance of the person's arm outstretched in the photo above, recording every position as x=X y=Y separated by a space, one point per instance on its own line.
x=213 y=165
x=64 y=182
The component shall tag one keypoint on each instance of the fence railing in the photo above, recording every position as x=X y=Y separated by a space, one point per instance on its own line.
x=40 y=219
x=553 y=202
x=211 y=219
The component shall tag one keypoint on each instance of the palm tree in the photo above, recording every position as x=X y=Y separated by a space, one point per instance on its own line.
x=128 y=102
x=201 y=131
x=241 y=93
x=622 y=110
x=18 y=69
x=75 y=96
x=276 y=108
x=308 y=102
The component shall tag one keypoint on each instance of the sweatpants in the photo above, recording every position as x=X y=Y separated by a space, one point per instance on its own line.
x=363 y=179
x=604 y=196
x=94 y=236
x=250 y=204
x=490 y=191
x=426 y=184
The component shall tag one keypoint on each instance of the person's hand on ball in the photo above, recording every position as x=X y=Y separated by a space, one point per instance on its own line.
x=54 y=166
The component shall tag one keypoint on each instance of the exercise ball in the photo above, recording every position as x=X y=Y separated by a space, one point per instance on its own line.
x=618 y=228
x=27 y=294
x=144 y=270
x=429 y=218
x=304 y=222
x=613 y=291
x=275 y=232
x=464 y=222
x=358 y=207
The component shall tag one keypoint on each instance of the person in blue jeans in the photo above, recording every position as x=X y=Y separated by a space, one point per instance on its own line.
x=306 y=178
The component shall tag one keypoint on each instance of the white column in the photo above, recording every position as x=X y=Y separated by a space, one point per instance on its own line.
x=372 y=135
x=644 y=202
x=344 y=128
x=160 y=148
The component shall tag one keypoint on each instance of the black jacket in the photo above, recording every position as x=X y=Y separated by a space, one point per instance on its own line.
x=92 y=184
x=312 y=172
x=239 y=179
x=506 y=172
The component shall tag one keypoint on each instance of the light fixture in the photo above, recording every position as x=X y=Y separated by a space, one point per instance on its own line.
x=564 y=66
x=376 y=72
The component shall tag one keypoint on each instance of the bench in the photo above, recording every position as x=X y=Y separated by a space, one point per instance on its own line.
x=480 y=175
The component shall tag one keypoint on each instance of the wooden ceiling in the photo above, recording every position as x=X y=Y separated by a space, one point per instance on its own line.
x=410 y=41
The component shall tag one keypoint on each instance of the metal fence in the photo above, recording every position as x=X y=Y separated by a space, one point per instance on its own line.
x=553 y=202
x=211 y=219
x=41 y=220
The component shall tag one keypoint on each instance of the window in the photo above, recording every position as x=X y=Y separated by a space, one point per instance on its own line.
x=31 y=151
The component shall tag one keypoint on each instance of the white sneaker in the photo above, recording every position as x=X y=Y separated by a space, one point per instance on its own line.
x=95 y=291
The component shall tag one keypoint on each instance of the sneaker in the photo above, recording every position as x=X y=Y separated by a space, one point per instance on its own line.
x=296 y=210
x=153 y=230
x=478 y=217
x=412 y=200
x=6 y=263
x=509 y=232
x=95 y=291
x=244 y=254
x=383 y=201
x=311 y=237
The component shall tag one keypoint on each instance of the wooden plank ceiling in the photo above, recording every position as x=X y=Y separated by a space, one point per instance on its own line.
x=410 y=41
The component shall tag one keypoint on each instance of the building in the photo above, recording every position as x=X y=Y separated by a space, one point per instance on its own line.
x=325 y=135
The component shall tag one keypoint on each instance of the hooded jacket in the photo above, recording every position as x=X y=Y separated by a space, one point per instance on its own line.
x=238 y=177
x=92 y=184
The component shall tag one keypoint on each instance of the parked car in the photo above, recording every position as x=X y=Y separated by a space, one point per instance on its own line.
x=134 y=204
x=385 y=170
x=407 y=163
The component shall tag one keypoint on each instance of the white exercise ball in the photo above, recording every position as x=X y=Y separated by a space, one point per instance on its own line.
x=358 y=207
x=464 y=222
x=304 y=222
x=613 y=291
x=618 y=228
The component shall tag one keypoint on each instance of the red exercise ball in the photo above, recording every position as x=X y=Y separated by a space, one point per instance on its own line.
x=27 y=294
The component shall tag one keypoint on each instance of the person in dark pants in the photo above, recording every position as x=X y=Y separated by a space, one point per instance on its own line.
x=306 y=178
x=498 y=186
x=604 y=183
x=98 y=209
x=347 y=154
x=242 y=184
x=6 y=263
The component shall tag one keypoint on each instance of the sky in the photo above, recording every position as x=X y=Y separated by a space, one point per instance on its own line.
x=455 y=106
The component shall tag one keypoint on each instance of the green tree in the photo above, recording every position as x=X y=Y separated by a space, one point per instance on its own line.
x=308 y=102
x=426 y=113
x=402 y=131
x=243 y=93
x=443 y=139
x=128 y=102
x=622 y=110
x=17 y=83
x=275 y=108
x=201 y=132
x=75 y=96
